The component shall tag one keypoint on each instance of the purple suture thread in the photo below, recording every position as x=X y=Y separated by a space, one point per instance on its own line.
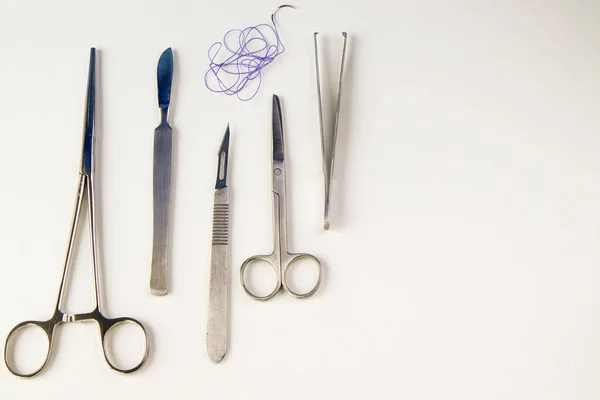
x=236 y=64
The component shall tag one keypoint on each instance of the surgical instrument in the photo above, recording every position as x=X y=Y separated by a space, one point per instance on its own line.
x=280 y=259
x=217 y=325
x=163 y=164
x=85 y=190
x=328 y=161
x=237 y=63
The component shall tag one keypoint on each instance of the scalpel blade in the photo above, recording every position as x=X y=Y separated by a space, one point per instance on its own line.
x=217 y=325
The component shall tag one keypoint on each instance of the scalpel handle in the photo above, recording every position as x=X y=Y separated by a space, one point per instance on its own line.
x=218 y=312
x=163 y=163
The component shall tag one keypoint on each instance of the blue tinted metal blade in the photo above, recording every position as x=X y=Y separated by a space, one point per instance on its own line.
x=277 y=130
x=223 y=161
x=165 y=78
x=88 y=123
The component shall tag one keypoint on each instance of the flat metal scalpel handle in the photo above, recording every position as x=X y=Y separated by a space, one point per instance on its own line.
x=218 y=318
x=163 y=160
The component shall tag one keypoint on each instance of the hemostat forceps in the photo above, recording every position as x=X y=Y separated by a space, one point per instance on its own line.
x=85 y=189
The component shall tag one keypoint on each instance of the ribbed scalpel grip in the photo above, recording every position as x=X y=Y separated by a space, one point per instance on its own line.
x=220 y=233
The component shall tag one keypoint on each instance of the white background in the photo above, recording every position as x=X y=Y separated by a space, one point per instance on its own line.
x=462 y=262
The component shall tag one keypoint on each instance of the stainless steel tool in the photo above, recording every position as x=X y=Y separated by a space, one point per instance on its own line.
x=163 y=164
x=85 y=190
x=280 y=259
x=218 y=312
x=328 y=160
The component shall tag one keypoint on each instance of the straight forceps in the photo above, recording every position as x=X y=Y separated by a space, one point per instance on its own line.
x=280 y=259
x=328 y=161
x=85 y=188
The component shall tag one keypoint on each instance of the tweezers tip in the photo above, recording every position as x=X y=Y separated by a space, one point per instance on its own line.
x=326 y=225
x=216 y=358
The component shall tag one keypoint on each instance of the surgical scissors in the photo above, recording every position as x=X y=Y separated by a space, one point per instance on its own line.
x=280 y=259
x=85 y=188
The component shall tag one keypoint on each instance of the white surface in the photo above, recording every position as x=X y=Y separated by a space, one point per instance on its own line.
x=463 y=257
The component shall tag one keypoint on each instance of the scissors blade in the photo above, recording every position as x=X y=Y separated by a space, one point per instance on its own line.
x=218 y=311
x=277 y=130
x=87 y=152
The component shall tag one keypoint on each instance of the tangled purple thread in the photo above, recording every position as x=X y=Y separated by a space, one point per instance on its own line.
x=235 y=70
